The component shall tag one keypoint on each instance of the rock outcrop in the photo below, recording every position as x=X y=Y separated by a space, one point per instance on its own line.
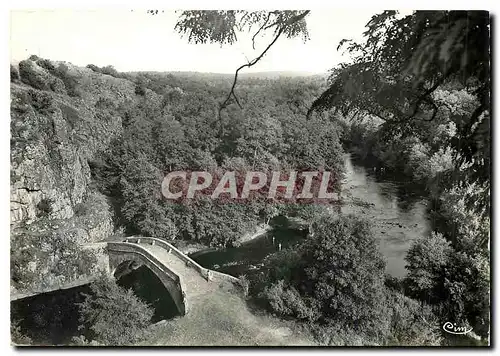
x=54 y=136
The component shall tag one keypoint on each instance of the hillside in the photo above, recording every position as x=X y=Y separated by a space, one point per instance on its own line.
x=243 y=74
x=88 y=146
x=74 y=132
x=385 y=162
x=91 y=146
x=54 y=137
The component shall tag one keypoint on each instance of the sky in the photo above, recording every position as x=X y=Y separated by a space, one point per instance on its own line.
x=132 y=40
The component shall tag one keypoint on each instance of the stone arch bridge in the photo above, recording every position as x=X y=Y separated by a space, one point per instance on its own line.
x=186 y=281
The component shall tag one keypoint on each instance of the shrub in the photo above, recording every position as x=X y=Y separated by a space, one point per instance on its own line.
x=94 y=68
x=104 y=104
x=344 y=271
x=334 y=277
x=70 y=82
x=57 y=85
x=456 y=282
x=245 y=284
x=16 y=334
x=335 y=335
x=70 y=114
x=412 y=323
x=285 y=300
x=40 y=101
x=31 y=77
x=426 y=260
x=110 y=70
x=80 y=340
x=45 y=63
x=140 y=90
x=44 y=207
x=14 y=73
x=113 y=315
x=42 y=259
x=281 y=265
x=81 y=209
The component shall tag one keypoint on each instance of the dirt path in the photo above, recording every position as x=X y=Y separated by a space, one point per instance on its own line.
x=224 y=319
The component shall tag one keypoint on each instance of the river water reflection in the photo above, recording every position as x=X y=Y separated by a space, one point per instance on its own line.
x=396 y=209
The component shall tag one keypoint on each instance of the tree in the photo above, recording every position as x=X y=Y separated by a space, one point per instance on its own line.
x=345 y=271
x=426 y=261
x=113 y=315
x=412 y=322
x=142 y=201
x=393 y=75
x=14 y=74
x=402 y=63
x=335 y=277
x=456 y=281
x=16 y=334
x=222 y=26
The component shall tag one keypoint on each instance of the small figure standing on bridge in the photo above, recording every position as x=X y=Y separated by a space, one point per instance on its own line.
x=273 y=240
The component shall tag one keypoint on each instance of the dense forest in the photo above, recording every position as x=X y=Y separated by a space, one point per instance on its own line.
x=334 y=281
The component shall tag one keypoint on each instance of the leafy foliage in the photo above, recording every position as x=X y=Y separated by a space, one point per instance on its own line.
x=336 y=276
x=335 y=282
x=42 y=259
x=177 y=131
x=58 y=78
x=222 y=26
x=456 y=281
x=285 y=300
x=345 y=271
x=14 y=73
x=110 y=70
x=419 y=87
x=70 y=82
x=16 y=334
x=399 y=67
x=113 y=315
x=93 y=67
x=29 y=76
x=412 y=323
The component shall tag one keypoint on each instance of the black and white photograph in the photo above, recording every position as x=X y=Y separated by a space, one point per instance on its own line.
x=250 y=178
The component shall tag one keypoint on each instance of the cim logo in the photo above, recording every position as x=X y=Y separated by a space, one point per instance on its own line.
x=452 y=328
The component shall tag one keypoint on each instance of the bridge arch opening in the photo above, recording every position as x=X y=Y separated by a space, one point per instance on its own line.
x=149 y=288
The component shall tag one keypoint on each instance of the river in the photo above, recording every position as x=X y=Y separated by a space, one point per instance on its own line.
x=396 y=209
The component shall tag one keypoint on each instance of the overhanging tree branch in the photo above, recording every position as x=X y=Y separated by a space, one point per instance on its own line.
x=260 y=29
x=280 y=31
x=424 y=96
x=248 y=65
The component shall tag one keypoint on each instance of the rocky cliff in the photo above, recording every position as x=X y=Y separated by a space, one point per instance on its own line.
x=62 y=117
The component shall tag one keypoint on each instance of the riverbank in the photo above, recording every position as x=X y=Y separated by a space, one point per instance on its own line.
x=397 y=211
x=189 y=247
x=249 y=236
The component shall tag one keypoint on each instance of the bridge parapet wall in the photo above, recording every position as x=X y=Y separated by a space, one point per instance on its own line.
x=169 y=247
x=120 y=252
x=206 y=273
